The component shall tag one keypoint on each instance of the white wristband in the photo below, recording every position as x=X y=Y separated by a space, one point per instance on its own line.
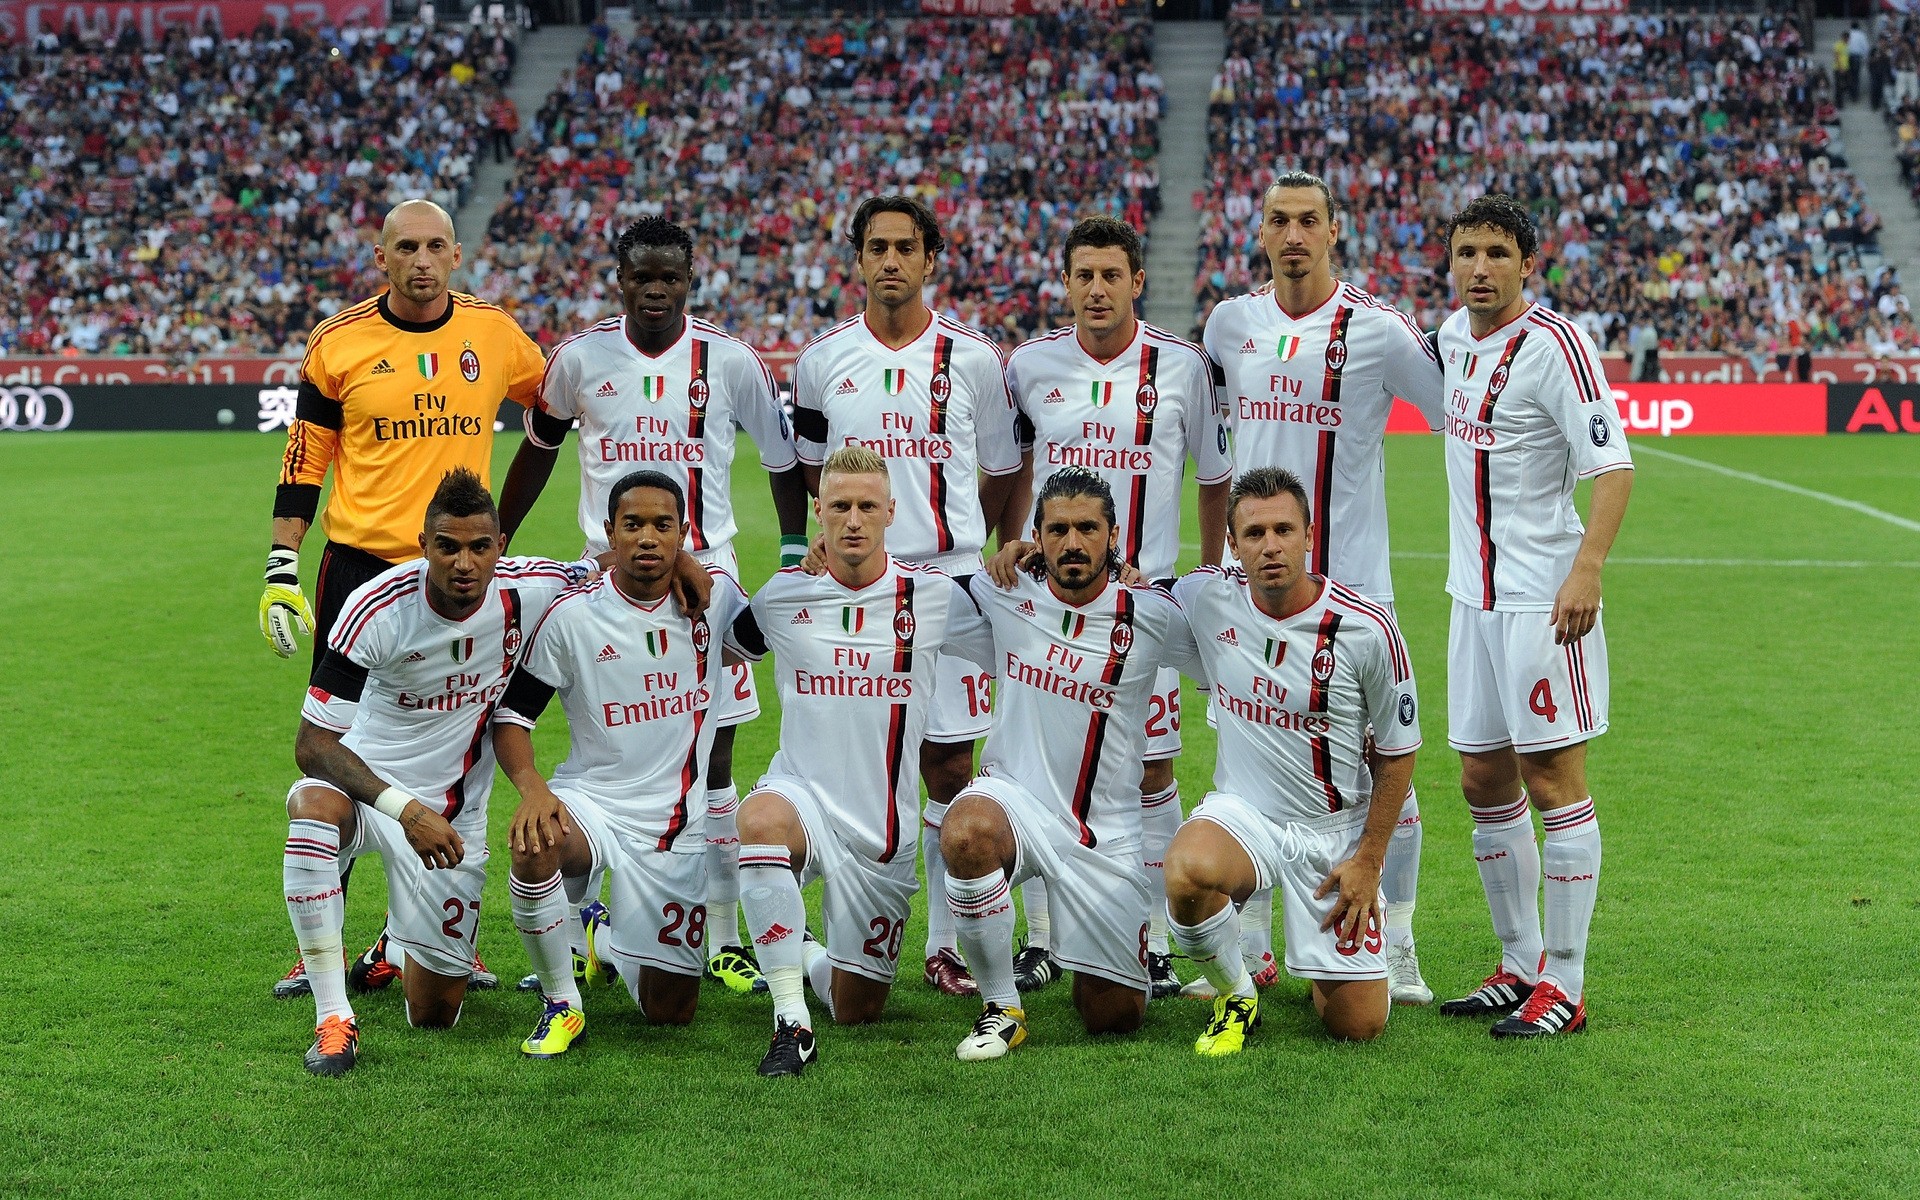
x=392 y=802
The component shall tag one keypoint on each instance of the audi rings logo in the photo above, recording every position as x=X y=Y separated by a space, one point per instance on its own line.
x=44 y=409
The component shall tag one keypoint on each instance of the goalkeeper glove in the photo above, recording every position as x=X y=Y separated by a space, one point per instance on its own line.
x=283 y=605
x=793 y=549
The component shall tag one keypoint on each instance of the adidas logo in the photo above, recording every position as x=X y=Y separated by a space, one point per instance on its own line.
x=1025 y=609
x=847 y=387
x=1229 y=637
x=1249 y=348
x=606 y=389
x=383 y=367
x=607 y=654
x=1054 y=397
x=416 y=656
x=773 y=935
x=801 y=618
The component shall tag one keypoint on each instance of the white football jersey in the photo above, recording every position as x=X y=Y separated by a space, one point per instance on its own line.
x=638 y=683
x=937 y=409
x=675 y=414
x=1312 y=394
x=413 y=691
x=856 y=672
x=1295 y=698
x=1528 y=412
x=1133 y=420
x=1071 y=708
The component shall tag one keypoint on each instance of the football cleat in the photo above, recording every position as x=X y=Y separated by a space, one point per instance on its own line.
x=793 y=1048
x=997 y=1031
x=946 y=972
x=1034 y=968
x=1268 y=972
x=559 y=1027
x=1404 y=984
x=1233 y=1018
x=530 y=983
x=595 y=971
x=1498 y=994
x=371 y=972
x=1546 y=1012
x=336 y=1045
x=1161 y=981
x=735 y=968
x=482 y=980
x=293 y=983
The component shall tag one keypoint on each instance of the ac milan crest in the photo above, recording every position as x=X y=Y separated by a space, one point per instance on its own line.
x=1147 y=398
x=1497 y=382
x=903 y=625
x=512 y=641
x=697 y=395
x=469 y=365
x=942 y=387
x=702 y=637
x=1122 y=639
x=1337 y=356
x=1323 y=664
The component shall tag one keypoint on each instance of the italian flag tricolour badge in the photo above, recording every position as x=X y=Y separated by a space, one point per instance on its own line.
x=895 y=380
x=1275 y=652
x=429 y=365
x=653 y=387
x=1473 y=360
x=1288 y=347
x=853 y=620
x=462 y=649
x=1102 y=394
x=657 y=643
x=1071 y=624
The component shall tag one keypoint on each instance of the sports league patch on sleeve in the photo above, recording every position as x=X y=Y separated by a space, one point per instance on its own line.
x=1406 y=710
x=1599 y=430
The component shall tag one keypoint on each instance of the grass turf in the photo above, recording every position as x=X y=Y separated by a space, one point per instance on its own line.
x=1751 y=973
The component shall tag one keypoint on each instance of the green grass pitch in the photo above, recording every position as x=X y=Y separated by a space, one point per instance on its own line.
x=1752 y=978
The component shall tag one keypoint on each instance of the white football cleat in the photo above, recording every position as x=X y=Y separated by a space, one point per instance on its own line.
x=1404 y=984
x=997 y=1031
x=1198 y=989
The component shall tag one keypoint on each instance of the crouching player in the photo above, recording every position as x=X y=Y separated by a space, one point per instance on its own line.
x=857 y=647
x=637 y=676
x=1300 y=667
x=1058 y=795
x=397 y=762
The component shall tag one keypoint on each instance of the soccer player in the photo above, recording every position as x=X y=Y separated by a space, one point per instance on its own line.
x=394 y=392
x=1058 y=794
x=397 y=762
x=1528 y=414
x=656 y=388
x=1132 y=403
x=1303 y=668
x=858 y=649
x=1311 y=370
x=639 y=678
x=928 y=395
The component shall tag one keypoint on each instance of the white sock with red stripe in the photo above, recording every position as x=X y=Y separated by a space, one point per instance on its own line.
x=777 y=920
x=1256 y=929
x=1214 y=947
x=723 y=869
x=1159 y=821
x=819 y=973
x=541 y=913
x=1571 y=862
x=1033 y=894
x=940 y=929
x=983 y=920
x=1400 y=877
x=1509 y=862
x=310 y=869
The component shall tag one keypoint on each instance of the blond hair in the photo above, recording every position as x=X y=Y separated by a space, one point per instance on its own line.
x=854 y=460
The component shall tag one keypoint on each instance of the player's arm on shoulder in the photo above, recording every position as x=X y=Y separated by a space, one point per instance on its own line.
x=741 y=635
x=1178 y=647
x=969 y=631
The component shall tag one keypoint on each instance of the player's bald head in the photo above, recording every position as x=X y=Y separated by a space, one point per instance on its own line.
x=416 y=218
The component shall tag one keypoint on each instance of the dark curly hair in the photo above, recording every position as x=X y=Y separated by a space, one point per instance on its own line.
x=650 y=232
x=1497 y=211
x=1068 y=483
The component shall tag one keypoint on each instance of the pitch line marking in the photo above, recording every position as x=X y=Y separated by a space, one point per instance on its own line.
x=1832 y=563
x=1782 y=485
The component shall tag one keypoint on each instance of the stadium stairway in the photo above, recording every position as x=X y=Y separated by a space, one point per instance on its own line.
x=544 y=54
x=1186 y=54
x=1869 y=146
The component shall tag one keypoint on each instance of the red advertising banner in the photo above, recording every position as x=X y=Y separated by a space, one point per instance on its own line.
x=1666 y=409
x=1725 y=368
x=1523 y=8
x=24 y=19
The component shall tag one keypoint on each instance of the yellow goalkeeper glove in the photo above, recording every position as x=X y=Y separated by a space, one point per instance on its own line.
x=283 y=605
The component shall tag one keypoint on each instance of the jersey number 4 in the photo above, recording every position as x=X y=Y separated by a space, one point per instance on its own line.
x=1540 y=701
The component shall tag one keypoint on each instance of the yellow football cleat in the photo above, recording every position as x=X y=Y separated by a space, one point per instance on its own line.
x=594 y=971
x=735 y=968
x=561 y=1025
x=1233 y=1018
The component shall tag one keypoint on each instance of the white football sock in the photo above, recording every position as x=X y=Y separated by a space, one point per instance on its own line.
x=1033 y=893
x=819 y=973
x=983 y=919
x=310 y=869
x=1256 y=929
x=582 y=890
x=940 y=934
x=1400 y=878
x=1509 y=861
x=1214 y=947
x=1571 y=865
x=1159 y=821
x=777 y=919
x=541 y=914
x=723 y=869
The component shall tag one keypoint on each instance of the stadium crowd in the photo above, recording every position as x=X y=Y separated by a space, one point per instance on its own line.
x=218 y=194
x=1681 y=170
x=766 y=135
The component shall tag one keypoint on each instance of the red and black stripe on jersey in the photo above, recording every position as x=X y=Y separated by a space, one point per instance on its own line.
x=1483 y=468
x=1321 y=667
x=905 y=627
x=1119 y=646
x=511 y=640
x=1146 y=401
x=692 y=770
x=699 y=392
x=939 y=392
x=1336 y=370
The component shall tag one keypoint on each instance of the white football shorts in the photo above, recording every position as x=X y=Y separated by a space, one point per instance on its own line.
x=1509 y=685
x=659 y=897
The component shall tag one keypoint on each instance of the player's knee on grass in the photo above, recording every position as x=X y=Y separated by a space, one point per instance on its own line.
x=769 y=819
x=946 y=768
x=857 y=1000
x=1106 y=1006
x=322 y=804
x=667 y=998
x=1205 y=869
x=1157 y=777
x=433 y=1001
x=975 y=838
x=1352 y=1010
x=1490 y=780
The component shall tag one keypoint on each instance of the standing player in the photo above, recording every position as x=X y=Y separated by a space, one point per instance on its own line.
x=397 y=762
x=1528 y=414
x=858 y=649
x=1311 y=371
x=1058 y=795
x=654 y=388
x=929 y=396
x=1303 y=670
x=1131 y=403
x=394 y=392
x=638 y=677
